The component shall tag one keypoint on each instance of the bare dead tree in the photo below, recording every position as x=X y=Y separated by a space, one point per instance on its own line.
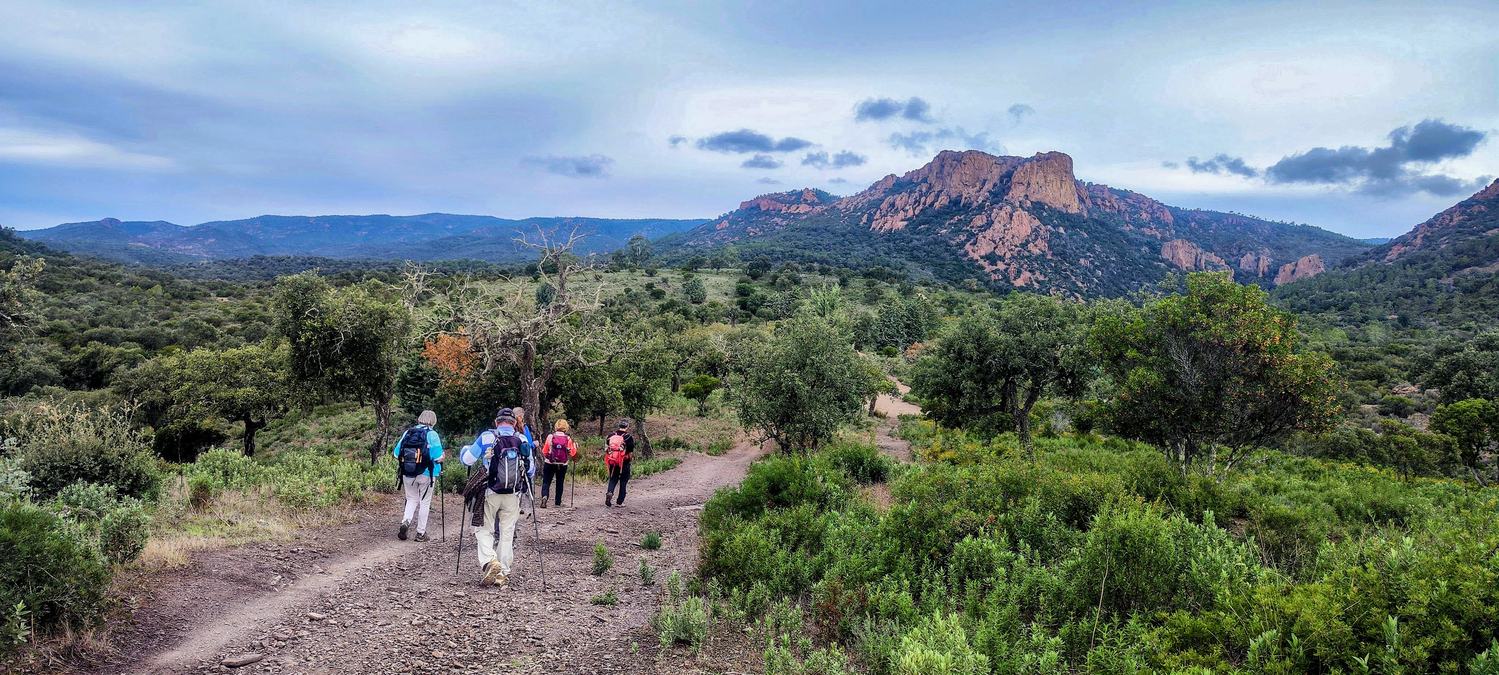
x=505 y=323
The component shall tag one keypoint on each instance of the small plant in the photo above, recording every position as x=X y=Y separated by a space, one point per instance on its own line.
x=683 y=619
x=606 y=599
x=719 y=447
x=651 y=541
x=647 y=573
x=602 y=560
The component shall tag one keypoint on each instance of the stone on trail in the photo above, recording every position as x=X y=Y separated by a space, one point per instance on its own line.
x=241 y=660
x=315 y=616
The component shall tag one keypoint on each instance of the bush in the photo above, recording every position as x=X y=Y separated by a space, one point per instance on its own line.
x=124 y=532
x=602 y=560
x=651 y=541
x=605 y=599
x=863 y=463
x=118 y=527
x=682 y=619
x=647 y=573
x=50 y=571
x=69 y=444
x=939 y=645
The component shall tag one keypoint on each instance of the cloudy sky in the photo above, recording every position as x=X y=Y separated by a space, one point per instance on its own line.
x=1364 y=118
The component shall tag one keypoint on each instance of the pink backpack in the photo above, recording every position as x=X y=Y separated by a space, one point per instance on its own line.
x=558 y=451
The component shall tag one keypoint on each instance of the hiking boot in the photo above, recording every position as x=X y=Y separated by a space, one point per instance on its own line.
x=492 y=573
x=543 y=505
x=401 y=534
x=421 y=536
x=501 y=581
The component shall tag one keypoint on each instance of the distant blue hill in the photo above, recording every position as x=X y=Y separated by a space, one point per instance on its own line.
x=426 y=237
x=1376 y=241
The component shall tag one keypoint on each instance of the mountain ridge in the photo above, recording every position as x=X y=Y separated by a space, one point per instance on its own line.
x=1028 y=222
x=428 y=236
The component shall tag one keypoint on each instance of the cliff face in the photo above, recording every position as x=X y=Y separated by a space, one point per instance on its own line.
x=1305 y=267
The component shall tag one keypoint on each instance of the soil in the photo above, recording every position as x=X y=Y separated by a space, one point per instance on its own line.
x=355 y=599
x=891 y=408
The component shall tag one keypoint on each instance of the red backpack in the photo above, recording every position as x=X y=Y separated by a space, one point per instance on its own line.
x=614 y=454
x=558 y=451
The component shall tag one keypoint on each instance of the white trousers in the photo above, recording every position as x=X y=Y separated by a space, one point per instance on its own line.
x=418 y=500
x=504 y=510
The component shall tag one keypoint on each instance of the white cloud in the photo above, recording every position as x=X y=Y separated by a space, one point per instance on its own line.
x=21 y=146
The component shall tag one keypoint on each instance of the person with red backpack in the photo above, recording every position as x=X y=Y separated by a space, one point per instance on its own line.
x=619 y=450
x=556 y=451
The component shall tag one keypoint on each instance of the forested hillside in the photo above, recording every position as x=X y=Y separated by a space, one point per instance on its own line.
x=1183 y=480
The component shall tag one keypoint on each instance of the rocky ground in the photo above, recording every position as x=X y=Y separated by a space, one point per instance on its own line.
x=354 y=599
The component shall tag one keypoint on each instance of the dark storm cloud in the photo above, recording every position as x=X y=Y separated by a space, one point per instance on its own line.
x=1019 y=112
x=840 y=160
x=1221 y=164
x=1391 y=170
x=580 y=166
x=874 y=109
x=761 y=162
x=746 y=141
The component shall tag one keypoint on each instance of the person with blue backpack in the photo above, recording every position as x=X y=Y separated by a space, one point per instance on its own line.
x=419 y=463
x=506 y=462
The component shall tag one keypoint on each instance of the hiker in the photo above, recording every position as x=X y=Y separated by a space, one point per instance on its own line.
x=419 y=461
x=506 y=458
x=619 y=451
x=520 y=423
x=556 y=451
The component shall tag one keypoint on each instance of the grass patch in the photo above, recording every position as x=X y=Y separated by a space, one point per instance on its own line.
x=647 y=573
x=606 y=599
x=651 y=541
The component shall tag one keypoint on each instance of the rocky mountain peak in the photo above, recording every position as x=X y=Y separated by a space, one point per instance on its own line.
x=1046 y=179
x=1449 y=225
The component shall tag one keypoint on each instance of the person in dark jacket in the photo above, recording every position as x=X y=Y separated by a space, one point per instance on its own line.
x=619 y=474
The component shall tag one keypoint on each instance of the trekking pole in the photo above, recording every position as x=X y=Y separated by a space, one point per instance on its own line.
x=541 y=565
x=442 y=497
x=572 y=490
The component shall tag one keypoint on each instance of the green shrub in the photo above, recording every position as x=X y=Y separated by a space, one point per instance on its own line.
x=939 y=645
x=227 y=470
x=602 y=560
x=69 y=444
x=201 y=490
x=61 y=578
x=119 y=528
x=863 y=463
x=124 y=532
x=719 y=447
x=605 y=599
x=647 y=573
x=651 y=541
x=15 y=483
x=682 y=619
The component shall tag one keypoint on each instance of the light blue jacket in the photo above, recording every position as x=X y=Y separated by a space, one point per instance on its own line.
x=434 y=448
x=475 y=452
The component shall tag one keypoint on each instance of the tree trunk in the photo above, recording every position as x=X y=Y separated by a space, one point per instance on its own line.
x=530 y=385
x=251 y=426
x=872 y=401
x=645 y=439
x=382 y=426
x=676 y=379
x=1021 y=414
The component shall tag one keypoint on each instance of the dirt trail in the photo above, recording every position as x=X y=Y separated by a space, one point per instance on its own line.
x=354 y=599
x=885 y=433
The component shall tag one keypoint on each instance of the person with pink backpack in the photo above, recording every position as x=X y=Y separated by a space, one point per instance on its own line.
x=619 y=450
x=557 y=450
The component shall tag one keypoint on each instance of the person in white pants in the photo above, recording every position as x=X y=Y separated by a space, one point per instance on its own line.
x=419 y=487
x=495 y=538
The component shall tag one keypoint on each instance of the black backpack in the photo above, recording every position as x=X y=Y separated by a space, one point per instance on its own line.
x=415 y=459
x=507 y=465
